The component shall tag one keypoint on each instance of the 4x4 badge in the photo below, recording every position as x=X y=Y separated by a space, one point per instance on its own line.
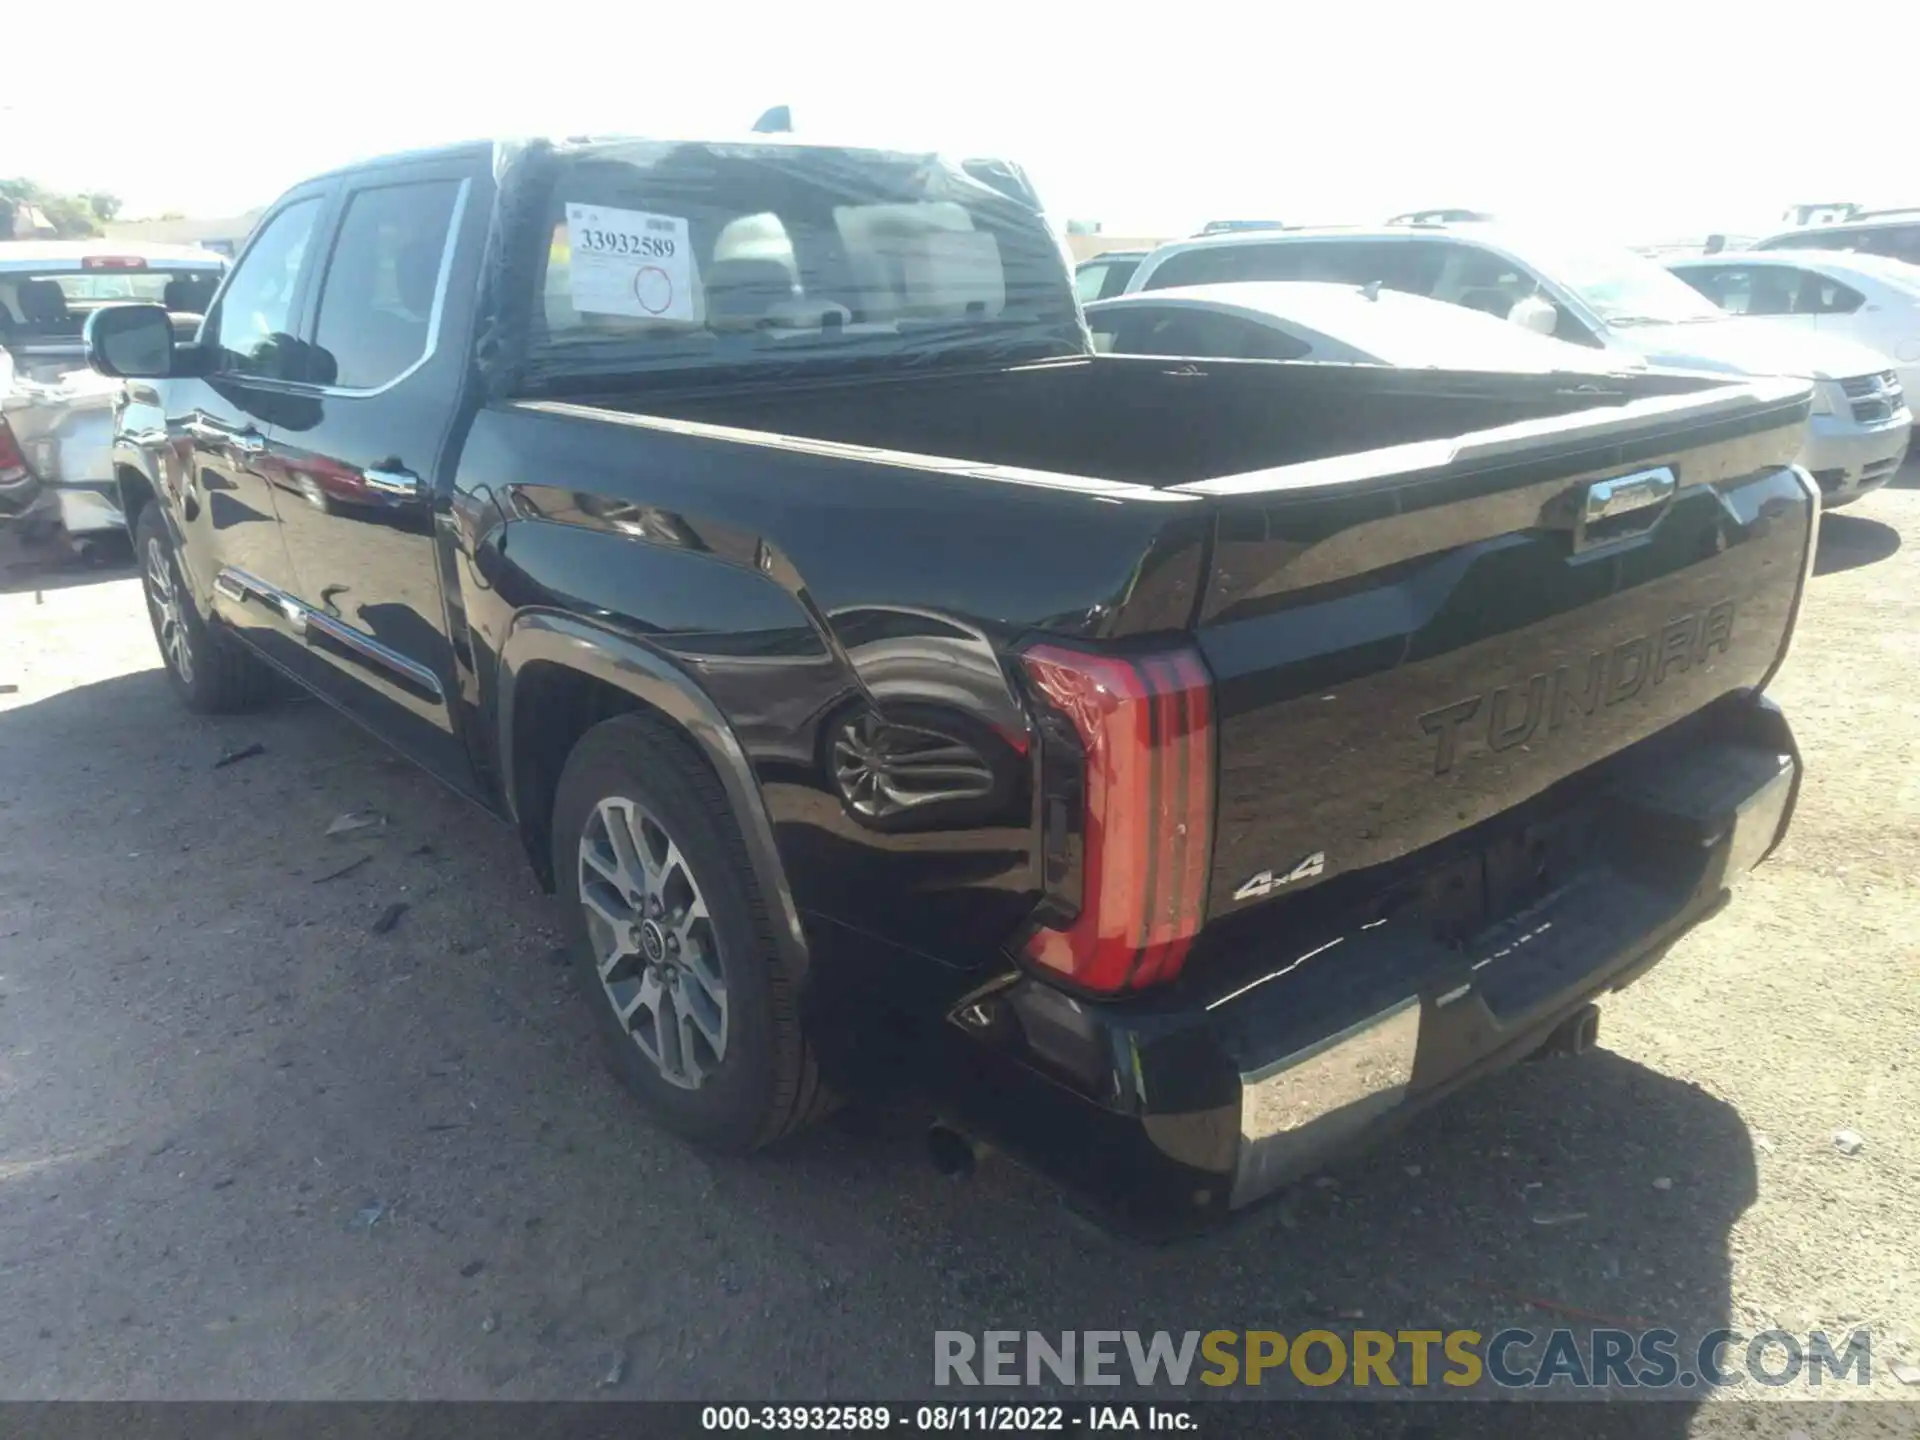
x=1266 y=882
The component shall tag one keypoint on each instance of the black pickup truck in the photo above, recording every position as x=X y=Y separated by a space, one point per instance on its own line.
x=1173 y=768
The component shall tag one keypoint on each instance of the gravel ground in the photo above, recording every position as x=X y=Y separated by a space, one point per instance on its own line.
x=250 y=1148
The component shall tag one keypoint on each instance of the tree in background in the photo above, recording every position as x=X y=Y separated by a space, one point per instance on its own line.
x=72 y=216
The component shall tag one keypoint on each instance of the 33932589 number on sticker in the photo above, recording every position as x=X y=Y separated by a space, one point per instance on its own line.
x=625 y=242
x=631 y=263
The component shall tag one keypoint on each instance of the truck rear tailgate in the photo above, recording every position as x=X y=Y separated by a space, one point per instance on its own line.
x=1407 y=642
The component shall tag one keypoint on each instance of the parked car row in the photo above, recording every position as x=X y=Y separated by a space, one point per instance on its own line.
x=1848 y=323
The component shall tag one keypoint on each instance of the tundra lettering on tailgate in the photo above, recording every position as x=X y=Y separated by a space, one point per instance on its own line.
x=1548 y=701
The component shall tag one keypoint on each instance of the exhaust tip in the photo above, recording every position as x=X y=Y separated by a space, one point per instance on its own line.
x=950 y=1152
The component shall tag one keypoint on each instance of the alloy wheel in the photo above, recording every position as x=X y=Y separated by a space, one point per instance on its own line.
x=653 y=940
x=163 y=601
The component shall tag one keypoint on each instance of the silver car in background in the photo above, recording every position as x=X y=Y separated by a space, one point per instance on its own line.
x=1621 y=306
x=56 y=415
x=1324 y=321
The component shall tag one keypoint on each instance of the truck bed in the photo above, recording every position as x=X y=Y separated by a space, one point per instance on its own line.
x=1407 y=628
x=1150 y=421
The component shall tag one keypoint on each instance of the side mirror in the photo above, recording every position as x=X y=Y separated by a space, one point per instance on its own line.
x=133 y=342
x=1542 y=317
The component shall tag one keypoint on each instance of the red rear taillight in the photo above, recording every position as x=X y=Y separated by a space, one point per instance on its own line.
x=112 y=262
x=1145 y=723
x=13 y=464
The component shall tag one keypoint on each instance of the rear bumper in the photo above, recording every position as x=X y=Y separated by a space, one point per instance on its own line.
x=67 y=442
x=1170 y=1114
x=89 y=509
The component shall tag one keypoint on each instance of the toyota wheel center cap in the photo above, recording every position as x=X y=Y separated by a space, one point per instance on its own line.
x=653 y=941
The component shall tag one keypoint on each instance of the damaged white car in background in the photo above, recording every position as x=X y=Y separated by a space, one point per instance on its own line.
x=56 y=415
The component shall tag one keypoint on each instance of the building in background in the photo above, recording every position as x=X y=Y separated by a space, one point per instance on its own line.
x=1085 y=247
x=225 y=235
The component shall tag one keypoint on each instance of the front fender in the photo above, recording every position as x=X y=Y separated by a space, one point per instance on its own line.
x=565 y=640
x=131 y=458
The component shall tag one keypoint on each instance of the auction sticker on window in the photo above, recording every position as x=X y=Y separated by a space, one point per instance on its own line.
x=627 y=262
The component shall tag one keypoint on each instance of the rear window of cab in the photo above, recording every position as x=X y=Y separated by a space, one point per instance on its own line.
x=671 y=253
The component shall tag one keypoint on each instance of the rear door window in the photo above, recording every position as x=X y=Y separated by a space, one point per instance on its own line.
x=377 y=297
x=1772 y=290
x=1823 y=295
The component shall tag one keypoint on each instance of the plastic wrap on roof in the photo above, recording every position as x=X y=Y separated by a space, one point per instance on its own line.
x=655 y=258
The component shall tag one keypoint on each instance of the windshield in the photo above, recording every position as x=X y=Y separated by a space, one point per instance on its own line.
x=1624 y=288
x=660 y=256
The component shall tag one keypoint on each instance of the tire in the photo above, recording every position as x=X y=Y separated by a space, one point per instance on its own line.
x=209 y=671
x=635 y=773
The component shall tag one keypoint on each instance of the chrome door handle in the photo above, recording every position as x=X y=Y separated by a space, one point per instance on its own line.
x=247 y=442
x=400 y=484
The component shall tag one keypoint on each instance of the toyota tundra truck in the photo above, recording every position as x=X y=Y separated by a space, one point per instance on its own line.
x=1172 y=769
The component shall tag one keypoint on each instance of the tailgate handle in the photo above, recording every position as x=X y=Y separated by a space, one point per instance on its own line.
x=1623 y=506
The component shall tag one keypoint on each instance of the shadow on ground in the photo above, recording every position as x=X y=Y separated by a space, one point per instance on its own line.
x=45 y=562
x=1850 y=541
x=250 y=1148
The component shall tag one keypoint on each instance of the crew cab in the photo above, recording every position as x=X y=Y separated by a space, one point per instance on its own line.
x=1173 y=767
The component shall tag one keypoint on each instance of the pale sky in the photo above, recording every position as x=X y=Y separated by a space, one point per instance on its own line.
x=1628 y=120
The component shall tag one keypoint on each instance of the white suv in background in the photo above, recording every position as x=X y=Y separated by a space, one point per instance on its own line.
x=1608 y=299
x=1894 y=234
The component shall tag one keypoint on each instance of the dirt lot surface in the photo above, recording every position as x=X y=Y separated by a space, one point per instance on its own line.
x=250 y=1148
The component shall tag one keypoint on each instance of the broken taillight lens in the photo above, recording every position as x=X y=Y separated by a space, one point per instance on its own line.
x=1145 y=723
